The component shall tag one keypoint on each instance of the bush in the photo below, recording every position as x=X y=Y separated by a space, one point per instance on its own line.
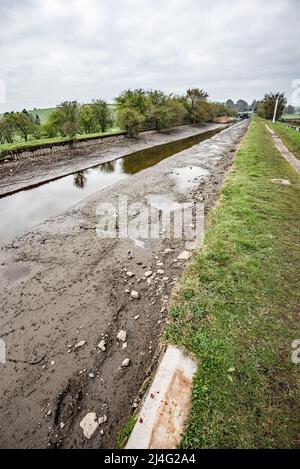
x=130 y=120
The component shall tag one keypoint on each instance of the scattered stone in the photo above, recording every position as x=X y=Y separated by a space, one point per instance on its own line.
x=89 y=424
x=160 y=271
x=148 y=273
x=52 y=362
x=125 y=363
x=282 y=182
x=49 y=412
x=91 y=375
x=168 y=251
x=130 y=274
x=134 y=294
x=165 y=279
x=124 y=345
x=159 y=264
x=102 y=420
x=127 y=291
x=80 y=344
x=102 y=345
x=136 y=317
x=184 y=256
x=62 y=425
x=122 y=336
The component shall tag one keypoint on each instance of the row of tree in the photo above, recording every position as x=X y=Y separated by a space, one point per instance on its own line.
x=266 y=107
x=153 y=109
x=134 y=110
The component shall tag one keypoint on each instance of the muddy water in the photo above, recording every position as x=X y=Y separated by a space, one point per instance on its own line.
x=26 y=208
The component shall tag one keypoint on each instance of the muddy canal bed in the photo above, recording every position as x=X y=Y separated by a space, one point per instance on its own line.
x=18 y=174
x=25 y=208
x=63 y=286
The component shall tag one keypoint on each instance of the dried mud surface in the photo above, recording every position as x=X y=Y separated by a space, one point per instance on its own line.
x=62 y=284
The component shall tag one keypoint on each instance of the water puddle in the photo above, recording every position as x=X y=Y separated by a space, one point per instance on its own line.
x=186 y=178
x=26 y=208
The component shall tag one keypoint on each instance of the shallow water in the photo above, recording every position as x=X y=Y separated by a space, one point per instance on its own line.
x=26 y=208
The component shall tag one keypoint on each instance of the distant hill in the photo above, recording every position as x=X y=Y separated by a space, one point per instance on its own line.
x=42 y=113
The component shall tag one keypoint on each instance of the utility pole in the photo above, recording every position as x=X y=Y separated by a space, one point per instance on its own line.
x=275 y=110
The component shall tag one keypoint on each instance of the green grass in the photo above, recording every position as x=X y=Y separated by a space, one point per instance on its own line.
x=45 y=141
x=290 y=137
x=291 y=116
x=237 y=308
x=125 y=432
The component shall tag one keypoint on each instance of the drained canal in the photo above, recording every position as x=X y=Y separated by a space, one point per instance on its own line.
x=28 y=207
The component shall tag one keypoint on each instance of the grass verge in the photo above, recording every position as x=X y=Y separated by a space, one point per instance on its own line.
x=290 y=137
x=237 y=308
x=125 y=432
x=31 y=144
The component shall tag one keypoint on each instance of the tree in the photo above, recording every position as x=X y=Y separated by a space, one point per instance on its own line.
x=267 y=105
x=6 y=129
x=218 y=109
x=22 y=123
x=64 y=119
x=194 y=98
x=242 y=105
x=135 y=99
x=102 y=114
x=289 y=109
x=194 y=95
x=130 y=120
x=37 y=120
x=254 y=105
x=231 y=108
x=87 y=121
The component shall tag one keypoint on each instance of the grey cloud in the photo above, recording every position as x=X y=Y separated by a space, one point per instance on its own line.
x=76 y=49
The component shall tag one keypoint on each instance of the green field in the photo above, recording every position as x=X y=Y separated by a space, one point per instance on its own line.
x=237 y=309
x=290 y=137
x=42 y=113
x=291 y=116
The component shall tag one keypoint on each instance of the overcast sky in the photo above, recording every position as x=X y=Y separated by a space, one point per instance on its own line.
x=55 y=50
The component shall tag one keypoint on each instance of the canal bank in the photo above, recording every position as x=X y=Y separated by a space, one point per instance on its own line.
x=19 y=174
x=66 y=294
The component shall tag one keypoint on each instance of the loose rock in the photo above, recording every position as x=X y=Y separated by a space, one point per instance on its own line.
x=102 y=345
x=102 y=420
x=134 y=294
x=122 y=336
x=125 y=363
x=89 y=424
x=80 y=344
x=184 y=255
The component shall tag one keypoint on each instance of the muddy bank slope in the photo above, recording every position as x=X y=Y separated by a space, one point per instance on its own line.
x=18 y=174
x=62 y=285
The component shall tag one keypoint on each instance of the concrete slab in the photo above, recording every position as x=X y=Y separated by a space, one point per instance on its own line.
x=161 y=421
